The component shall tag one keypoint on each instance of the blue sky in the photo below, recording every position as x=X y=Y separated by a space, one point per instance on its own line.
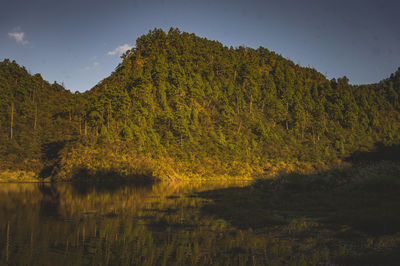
x=79 y=42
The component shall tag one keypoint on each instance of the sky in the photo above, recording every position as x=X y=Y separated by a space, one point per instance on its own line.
x=79 y=42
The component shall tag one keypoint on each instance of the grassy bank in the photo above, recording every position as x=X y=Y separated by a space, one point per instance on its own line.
x=119 y=161
x=19 y=176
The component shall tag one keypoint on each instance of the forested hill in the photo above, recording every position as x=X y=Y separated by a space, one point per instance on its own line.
x=179 y=96
x=32 y=114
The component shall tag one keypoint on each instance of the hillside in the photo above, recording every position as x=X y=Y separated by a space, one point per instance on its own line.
x=33 y=114
x=199 y=107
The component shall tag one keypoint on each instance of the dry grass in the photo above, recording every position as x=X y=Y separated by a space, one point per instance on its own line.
x=19 y=176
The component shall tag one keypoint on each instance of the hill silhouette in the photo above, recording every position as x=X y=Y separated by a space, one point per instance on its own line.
x=200 y=106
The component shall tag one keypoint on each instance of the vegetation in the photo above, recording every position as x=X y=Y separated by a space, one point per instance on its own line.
x=33 y=119
x=18 y=176
x=181 y=106
x=194 y=107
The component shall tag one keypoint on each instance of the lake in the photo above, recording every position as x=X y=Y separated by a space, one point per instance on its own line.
x=159 y=224
x=62 y=224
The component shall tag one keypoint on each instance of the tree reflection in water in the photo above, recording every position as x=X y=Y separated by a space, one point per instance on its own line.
x=50 y=202
x=163 y=224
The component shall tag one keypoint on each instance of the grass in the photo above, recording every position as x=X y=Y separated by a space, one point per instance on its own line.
x=19 y=176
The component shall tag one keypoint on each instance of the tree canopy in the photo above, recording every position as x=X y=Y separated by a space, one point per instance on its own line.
x=192 y=99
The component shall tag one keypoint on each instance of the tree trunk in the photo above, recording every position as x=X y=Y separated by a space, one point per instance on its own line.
x=36 y=114
x=126 y=115
x=85 y=127
x=313 y=134
x=251 y=103
x=237 y=105
x=12 y=120
x=80 y=125
x=287 y=116
x=12 y=113
x=108 y=116
x=239 y=127
x=209 y=102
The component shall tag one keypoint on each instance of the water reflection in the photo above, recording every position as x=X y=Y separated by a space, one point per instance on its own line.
x=50 y=201
x=161 y=224
x=53 y=224
x=85 y=188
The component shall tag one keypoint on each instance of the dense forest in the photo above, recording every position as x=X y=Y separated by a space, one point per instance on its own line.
x=33 y=113
x=189 y=104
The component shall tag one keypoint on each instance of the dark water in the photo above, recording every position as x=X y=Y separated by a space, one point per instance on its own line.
x=59 y=224
x=172 y=224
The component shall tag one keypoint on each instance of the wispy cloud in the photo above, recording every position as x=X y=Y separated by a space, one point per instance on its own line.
x=93 y=65
x=120 y=49
x=19 y=37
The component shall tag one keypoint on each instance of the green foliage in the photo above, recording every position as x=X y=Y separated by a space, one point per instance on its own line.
x=126 y=133
x=189 y=97
x=39 y=112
